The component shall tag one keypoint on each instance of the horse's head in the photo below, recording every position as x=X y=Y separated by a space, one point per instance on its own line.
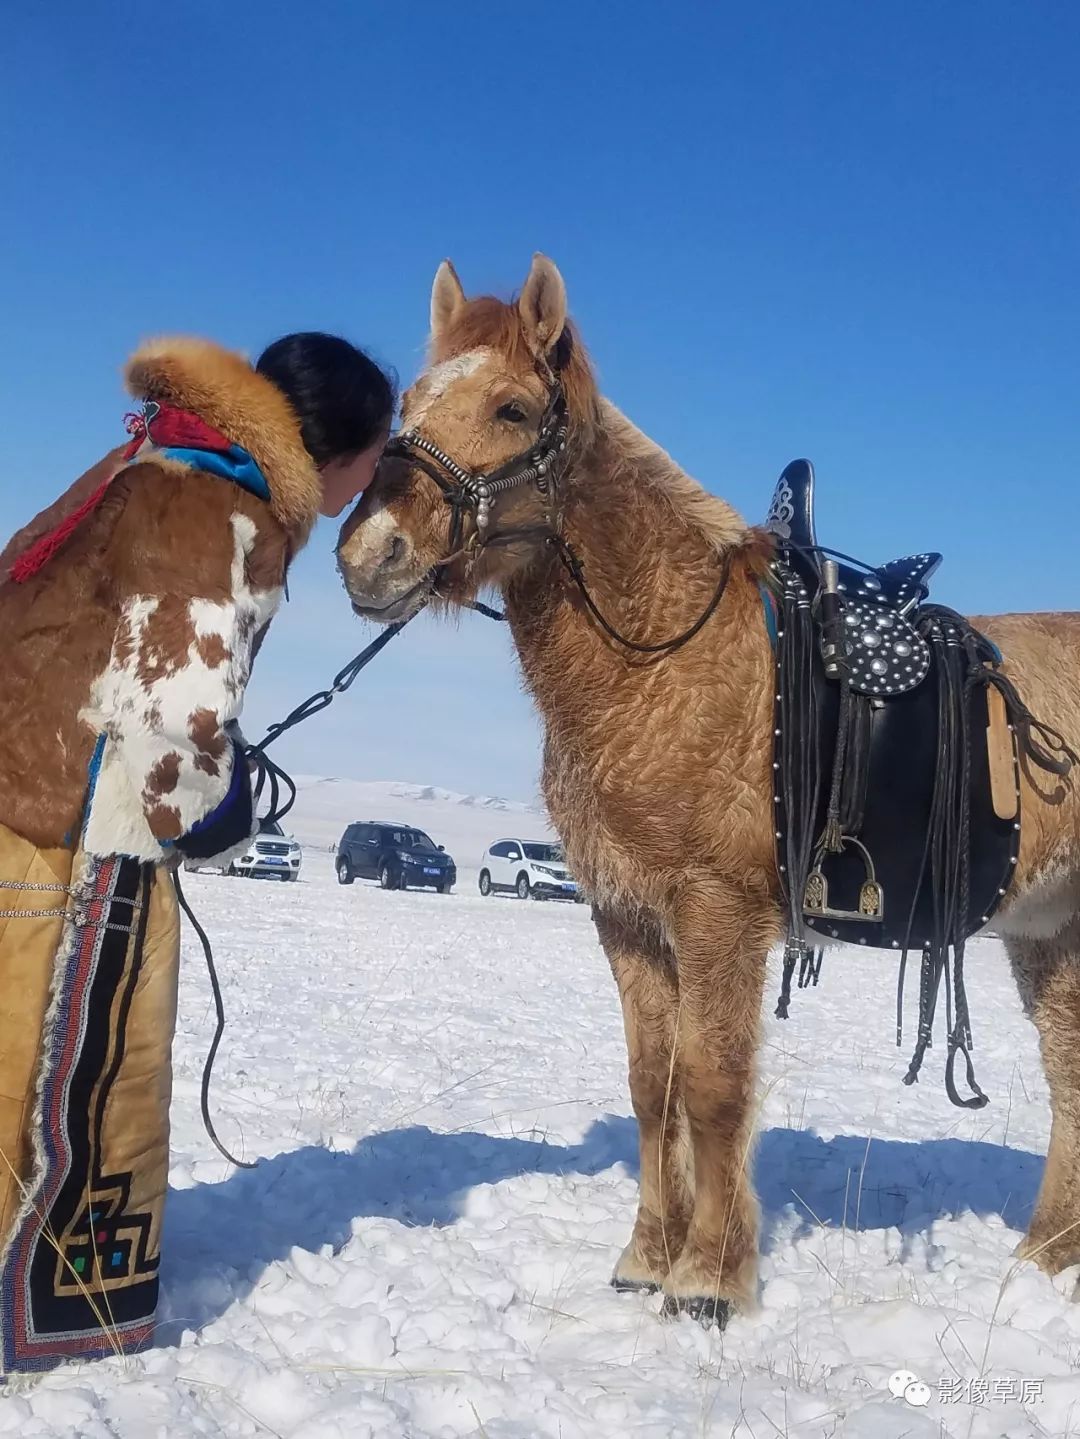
x=467 y=492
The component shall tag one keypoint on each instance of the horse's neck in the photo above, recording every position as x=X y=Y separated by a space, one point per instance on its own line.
x=652 y=545
x=649 y=539
x=627 y=470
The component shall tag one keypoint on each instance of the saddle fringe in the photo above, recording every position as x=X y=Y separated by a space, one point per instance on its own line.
x=963 y=661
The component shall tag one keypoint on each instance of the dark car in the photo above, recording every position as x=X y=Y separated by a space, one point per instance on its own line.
x=399 y=856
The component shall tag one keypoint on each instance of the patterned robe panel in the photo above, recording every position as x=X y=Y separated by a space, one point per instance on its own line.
x=84 y=1099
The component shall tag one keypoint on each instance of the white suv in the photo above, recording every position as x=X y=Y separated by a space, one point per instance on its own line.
x=271 y=854
x=527 y=868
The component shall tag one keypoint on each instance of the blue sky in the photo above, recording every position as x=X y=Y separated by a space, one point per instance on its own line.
x=844 y=230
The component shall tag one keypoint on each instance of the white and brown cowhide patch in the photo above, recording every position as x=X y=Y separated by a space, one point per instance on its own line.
x=175 y=678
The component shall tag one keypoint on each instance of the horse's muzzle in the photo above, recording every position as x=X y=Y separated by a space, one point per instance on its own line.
x=399 y=609
x=383 y=576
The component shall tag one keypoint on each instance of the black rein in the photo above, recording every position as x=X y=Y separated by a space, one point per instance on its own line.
x=467 y=491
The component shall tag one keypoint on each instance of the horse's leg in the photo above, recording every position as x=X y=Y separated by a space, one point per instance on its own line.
x=645 y=974
x=1048 y=973
x=722 y=941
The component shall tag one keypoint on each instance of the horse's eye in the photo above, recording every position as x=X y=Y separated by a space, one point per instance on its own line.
x=510 y=412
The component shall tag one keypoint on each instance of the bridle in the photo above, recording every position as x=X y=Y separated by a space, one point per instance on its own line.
x=471 y=492
x=542 y=464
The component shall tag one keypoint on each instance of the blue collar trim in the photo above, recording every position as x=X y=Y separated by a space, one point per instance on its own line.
x=235 y=464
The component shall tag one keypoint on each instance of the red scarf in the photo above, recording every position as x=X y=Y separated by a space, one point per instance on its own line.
x=159 y=425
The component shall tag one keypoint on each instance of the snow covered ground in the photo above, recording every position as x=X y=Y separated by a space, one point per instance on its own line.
x=435 y=1090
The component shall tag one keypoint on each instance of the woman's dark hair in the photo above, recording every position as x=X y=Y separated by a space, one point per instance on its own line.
x=342 y=398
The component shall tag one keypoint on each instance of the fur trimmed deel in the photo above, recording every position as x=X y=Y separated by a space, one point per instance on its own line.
x=225 y=390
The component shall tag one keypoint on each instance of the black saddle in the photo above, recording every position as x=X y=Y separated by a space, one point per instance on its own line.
x=881 y=601
x=889 y=829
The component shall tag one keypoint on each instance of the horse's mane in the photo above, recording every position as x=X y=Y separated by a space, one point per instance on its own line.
x=713 y=518
x=488 y=321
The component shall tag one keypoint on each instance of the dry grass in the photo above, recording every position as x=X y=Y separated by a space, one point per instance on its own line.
x=104 y=1317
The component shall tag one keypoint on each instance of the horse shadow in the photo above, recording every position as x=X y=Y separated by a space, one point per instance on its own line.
x=220 y=1238
x=858 y=1183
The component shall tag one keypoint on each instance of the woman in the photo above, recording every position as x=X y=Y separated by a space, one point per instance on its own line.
x=131 y=610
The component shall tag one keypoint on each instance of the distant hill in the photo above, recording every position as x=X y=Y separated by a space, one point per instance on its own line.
x=465 y=823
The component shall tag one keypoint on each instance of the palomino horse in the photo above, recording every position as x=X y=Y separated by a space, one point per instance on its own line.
x=658 y=766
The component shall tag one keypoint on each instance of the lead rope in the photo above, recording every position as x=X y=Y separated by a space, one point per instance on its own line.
x=271 y=776
x=466 y=491
x=219 y=1030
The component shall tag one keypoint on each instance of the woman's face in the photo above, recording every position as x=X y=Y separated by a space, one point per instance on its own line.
x=344 y=479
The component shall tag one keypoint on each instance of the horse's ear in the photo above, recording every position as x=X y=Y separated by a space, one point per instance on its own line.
x=447 y=297
x=542 y=306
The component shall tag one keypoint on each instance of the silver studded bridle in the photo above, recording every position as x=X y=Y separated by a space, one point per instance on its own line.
x=471 y=492
x=542 y=464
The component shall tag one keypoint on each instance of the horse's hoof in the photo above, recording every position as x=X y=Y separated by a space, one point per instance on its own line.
x=709 y=1312
x=633 y=1286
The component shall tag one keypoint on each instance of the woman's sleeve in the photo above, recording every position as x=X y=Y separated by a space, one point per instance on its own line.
x=196 y=567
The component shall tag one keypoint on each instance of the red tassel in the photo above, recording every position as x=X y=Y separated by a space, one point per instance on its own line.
x=39 y=553
x=163 y=425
